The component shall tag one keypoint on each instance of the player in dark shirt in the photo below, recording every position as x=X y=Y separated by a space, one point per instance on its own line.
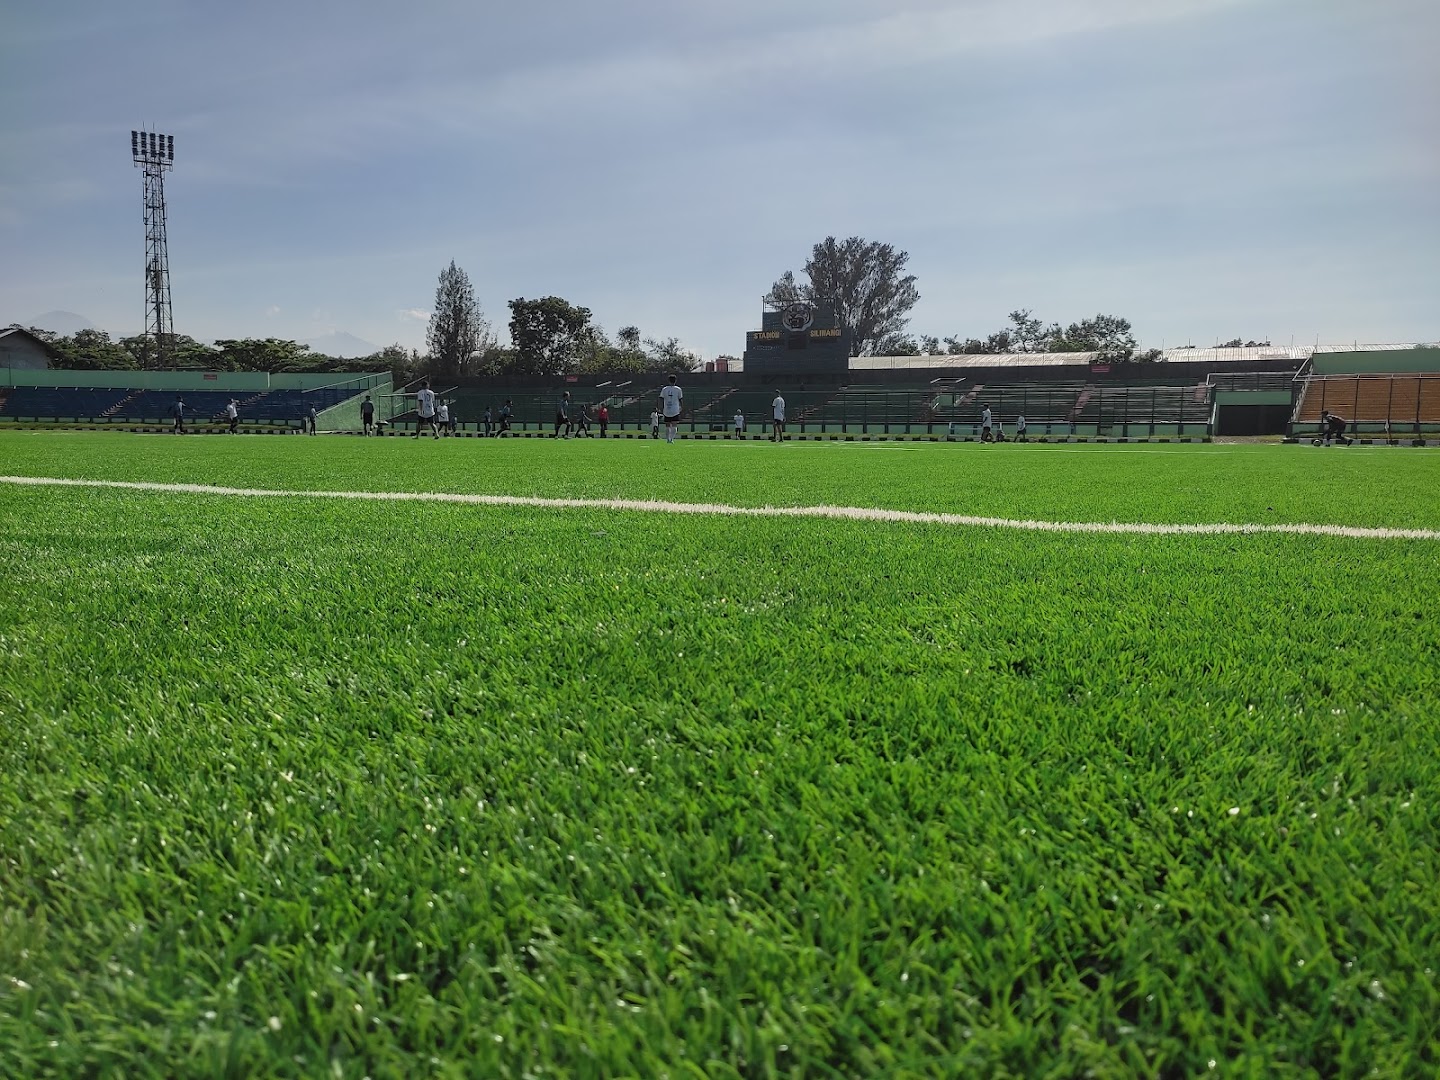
x=1333 y=427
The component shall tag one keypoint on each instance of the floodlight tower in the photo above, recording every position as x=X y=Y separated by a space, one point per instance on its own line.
x=155 y=154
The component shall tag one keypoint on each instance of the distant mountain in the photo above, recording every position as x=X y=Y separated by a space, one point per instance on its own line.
x=63 y=323
x=342 y=345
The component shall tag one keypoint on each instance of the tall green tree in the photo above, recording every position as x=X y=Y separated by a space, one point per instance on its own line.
x=182 y=352
x=1109 y=336
x=669 y=357
x=457 y=330
x=868 y=284
x=92 y=349
x=262 y=354
x=549 y=335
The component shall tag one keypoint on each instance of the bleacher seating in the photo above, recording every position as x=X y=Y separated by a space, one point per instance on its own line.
x=1409 y=402
x=119 y=404
x=44 y=401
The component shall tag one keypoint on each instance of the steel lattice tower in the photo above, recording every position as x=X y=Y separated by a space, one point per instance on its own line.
x=155 y=154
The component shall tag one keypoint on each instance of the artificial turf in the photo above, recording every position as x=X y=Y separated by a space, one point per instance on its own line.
x=297 y=787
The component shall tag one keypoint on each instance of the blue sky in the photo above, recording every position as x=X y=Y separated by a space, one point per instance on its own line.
x=1207 y=168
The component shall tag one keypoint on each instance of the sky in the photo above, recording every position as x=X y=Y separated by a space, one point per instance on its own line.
x=1266 y=169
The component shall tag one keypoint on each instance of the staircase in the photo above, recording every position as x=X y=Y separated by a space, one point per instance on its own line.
x=1080 y=403
x=126 y=400
x=713 y=402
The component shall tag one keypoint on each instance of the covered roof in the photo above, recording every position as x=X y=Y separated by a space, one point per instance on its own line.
x=20 y=333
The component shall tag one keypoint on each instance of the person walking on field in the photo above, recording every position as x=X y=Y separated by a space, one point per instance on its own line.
x=425 y=410
x=442 y=418
x=1020 y=428
x=178 y=411
x=739 y=425
x=485 y=419
x=777 y=409
x=654 y=423
x=670 y=398
x=602 y=415
x=985 y=435
x=232 y=413
x=311 y=418
x=562 y=416
x=507 y=413
x=367 y=415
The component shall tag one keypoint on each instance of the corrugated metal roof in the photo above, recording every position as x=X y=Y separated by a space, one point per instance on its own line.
x=1278 y=353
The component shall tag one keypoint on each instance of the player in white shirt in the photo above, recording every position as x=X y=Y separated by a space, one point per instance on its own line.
x=985 y=435
x=670 y=397
x=655 y=423
x=425 y=410
x=777 y=407
x=1020 y=428
x=442 y=417
x=232 y=413
x=739 y=425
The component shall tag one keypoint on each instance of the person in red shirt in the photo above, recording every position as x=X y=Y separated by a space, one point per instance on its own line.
x=603 y=415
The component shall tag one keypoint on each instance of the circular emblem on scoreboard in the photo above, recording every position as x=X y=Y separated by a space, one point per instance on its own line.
x=798 y=317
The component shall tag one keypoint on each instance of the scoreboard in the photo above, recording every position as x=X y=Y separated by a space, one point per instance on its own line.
x=798 y=338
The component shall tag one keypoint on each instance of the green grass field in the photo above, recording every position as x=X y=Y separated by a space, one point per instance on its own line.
x=307 y=787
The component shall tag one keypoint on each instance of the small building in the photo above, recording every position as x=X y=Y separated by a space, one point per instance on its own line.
x=24 y=351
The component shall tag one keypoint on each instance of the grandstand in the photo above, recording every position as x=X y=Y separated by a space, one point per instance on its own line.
x=128 y=400
x=1390 y=404
x=1080 y=407
x=1390 y=392
x=1395 y=390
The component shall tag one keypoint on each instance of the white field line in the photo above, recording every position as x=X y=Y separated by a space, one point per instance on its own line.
x=838 y=513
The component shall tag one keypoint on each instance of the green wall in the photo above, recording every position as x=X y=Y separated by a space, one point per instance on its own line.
x=1381 y=361
x=1252 y=397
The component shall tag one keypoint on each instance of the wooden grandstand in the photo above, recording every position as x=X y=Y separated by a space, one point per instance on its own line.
x=1398 y=403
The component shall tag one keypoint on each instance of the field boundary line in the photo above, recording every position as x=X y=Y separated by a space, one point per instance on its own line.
x=836 y=513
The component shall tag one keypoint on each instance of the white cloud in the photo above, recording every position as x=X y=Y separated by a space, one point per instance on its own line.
x=416 y=314
x=272 y=310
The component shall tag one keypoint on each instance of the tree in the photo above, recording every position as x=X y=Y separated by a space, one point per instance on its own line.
x=182 y=352
x=1028 y=334
x=594 y=351
x=548 y=335
x=1109 y=336
x=92 y=349
x=866 y=281
x=457 y=329
x=670 y=357
x=897 y=344
x=262 y=354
